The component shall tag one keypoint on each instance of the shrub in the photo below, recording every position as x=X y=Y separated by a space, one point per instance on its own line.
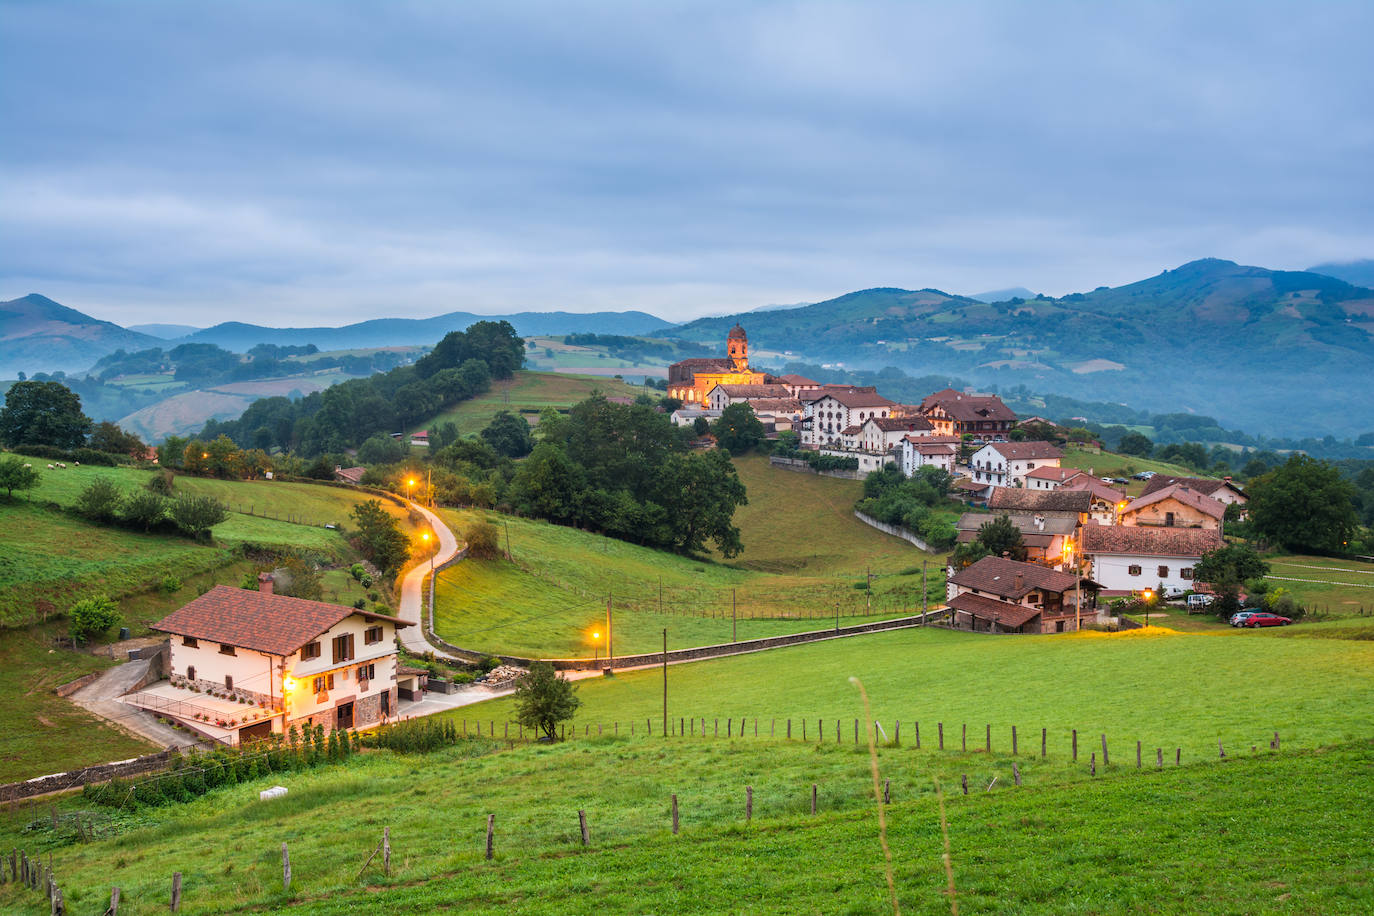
x=99 y=501
x=483 y=539
x=170 y=584
x=92 y=617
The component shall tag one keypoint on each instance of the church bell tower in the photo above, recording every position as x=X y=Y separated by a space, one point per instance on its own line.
x=737 y=347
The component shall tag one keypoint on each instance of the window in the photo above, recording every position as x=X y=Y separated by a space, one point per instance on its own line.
x=1168 y=519
x=343 y=648
x=1163 y=572
x=229 y=682
x=226 y=650
x=1186 y=573
x=367 y=672
x=323 y=682
x=191 y=673
x=310 y=650
x=190 y=642
x=1133 y=570
x=372 y=635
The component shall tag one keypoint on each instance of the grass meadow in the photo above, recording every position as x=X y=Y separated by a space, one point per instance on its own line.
x=1165 y=689
x=804 y=554
x=528 y=393
x=1293 y=836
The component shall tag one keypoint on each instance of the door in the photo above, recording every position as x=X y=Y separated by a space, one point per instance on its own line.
x=345 y=716
x=386 y=702
x=255 y=732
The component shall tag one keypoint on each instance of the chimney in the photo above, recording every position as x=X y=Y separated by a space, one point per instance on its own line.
x=265 y=583
x=1019 y=579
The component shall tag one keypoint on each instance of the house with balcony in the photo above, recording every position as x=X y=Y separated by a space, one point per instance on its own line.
x=955 y=413
x=828 y=411
x=1044 y=536
x=1006 y=464
x=1174 y=506
x=246 y=664
x=919 y=451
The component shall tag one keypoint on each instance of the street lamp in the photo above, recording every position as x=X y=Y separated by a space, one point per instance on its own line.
x=1149 y=596
x=410 y=488
x=425 y=537
x=596 y=646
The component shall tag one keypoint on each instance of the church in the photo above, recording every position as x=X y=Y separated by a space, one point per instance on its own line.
x=691 y=380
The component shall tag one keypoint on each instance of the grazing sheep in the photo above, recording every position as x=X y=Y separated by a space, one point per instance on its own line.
x=50 y=467
x=27 y=465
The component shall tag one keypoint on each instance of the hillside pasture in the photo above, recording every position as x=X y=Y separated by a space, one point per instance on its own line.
x=1062 y=842
x=527 y=394
x=1324 y=584
x=1165 y=689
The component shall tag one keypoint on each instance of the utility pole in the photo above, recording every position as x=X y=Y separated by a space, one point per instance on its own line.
x=923 y=590
x=1078 y=593
x=734 y=620
x=660 y=594
x=610 y=644
x=868 y=590
x=665 y=682
x=508 y=553
x=837 y=617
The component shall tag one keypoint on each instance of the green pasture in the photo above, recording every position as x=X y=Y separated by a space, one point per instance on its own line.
x=552 y=597
x=43 y=733
x=529 y=393
x=1324 y=584
x=1294 y=837
x=1165 y=689
x=1110 y=464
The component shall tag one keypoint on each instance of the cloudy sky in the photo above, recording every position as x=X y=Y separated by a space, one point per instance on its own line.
x=320 y=163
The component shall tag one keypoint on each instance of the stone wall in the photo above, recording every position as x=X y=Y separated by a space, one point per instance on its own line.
x=73 y=779
x=895 y=530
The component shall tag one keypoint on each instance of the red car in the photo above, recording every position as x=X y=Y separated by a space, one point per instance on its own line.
x=1266 y=620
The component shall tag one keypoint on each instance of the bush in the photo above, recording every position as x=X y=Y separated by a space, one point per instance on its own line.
x=484 y=541
x=92 y=617
x=99 y=501
x=170 y=584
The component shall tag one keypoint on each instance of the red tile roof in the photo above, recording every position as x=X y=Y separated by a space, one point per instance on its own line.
x=897 y=424
x=1008 y=615
x=274 y=624
x=1182 y=494
x=1020 y=451
x=999 y=577
x=751 y=392
x=1096 y=488
x=961 y=406
x=1056 y=475
x=851 y=396
x=1022 y=500
x=1149 y=542
x=798 y=381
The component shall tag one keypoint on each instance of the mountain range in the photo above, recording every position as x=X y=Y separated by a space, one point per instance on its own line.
x=1272 y=352
x=39 y=335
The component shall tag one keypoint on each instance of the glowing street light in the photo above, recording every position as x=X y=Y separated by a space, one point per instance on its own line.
x=596 y=645
x=1149 y=596
x=425 y=536
x=410 y=488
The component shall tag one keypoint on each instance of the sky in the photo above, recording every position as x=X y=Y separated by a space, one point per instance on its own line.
x=310 y=163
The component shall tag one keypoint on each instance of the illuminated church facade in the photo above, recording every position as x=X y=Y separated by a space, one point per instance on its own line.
x=691 y=380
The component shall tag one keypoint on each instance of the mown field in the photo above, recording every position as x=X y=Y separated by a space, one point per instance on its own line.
x=1109 y=464
x=43 y=733
x=1326 y=585
x=1164 y=689
x=1294 y=837
x=804 y=554
x=528 y=393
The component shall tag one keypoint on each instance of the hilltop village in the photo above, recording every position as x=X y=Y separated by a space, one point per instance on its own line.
x=1083 y=536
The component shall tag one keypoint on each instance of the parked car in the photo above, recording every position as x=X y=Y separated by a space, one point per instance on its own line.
x=1174 y=591
x=1144 y=475
x=1197 y=600
x=1238 y=619
x=1121 y=480
x=1264 y=619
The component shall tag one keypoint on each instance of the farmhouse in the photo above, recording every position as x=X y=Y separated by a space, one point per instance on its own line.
x=1223 y=490
x=722 y=396
x=1051 y=477
x=1174 y=506
x=245 y=664
x=1006 y=464
x=691 y=380
x=1003 y=596
x=1131 y=559
x=955 y=413
x=1105 y=501
x=1057 y=503
x=923 y=451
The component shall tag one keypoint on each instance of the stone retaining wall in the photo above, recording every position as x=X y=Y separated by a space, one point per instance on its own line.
x=73 y=779
x=895 y=530
x=72 y=687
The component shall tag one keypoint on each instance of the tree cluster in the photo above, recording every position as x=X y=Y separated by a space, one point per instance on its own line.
x=909 y=502
x=149 y=508
x=346 y=415
x=625 y=470
x=379 y=537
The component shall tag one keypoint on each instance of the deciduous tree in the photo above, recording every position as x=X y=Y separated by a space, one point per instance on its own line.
x=1304 y=505
x=544 y=698
x=43 y=413
x=15 y=474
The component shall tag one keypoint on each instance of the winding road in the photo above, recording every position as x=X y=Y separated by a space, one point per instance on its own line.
x=412 y=608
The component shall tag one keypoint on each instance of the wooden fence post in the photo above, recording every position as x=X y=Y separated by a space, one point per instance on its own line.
x=1221 y=749
x=1178 y=756
x=176 y=891
x=114 y=901
x=964 y=781
x=856 y=731
x=789 y=729
x=491 y=830
x=285 y=870
x=1275 y=743
x=1092 y=765
x=386 y=850
x=941 y=727
x=917 y=725
x=1137 y=755
x=748 y=804
x=987 y=741
x=1013 y=740
x=813 y=798
x=674 y=814
x=1105 y=761
x=1075 y=745
x=803 y=729
x=887 y=791
x=897 y=733
x=964 y=736
x=1016 y=773
x=730 y=727
x=582 y=822
x=1159 y=758
x=1044 y=740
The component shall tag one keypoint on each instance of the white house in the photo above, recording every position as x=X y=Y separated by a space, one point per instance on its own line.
x=1006 y=464
x=722 y=396
x=248 y=663
x=1131 y=559
x=923 y=451
x=883 y=434
x=831 y=410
